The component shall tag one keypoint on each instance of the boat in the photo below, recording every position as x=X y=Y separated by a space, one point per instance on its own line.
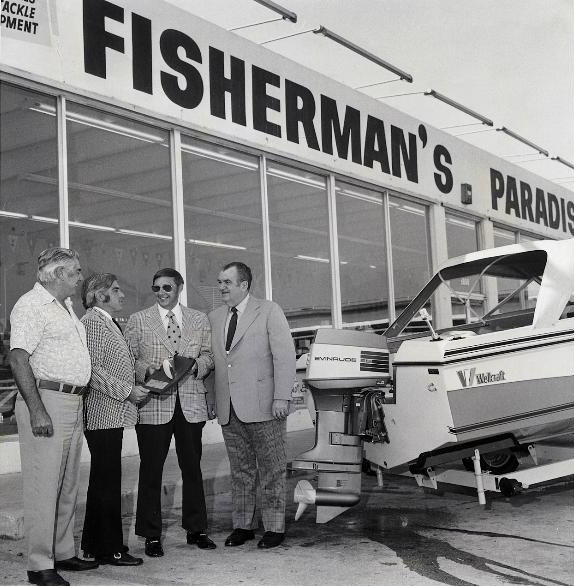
x=484 y=386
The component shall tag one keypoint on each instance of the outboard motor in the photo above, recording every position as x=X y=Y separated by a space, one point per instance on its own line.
x=348 y=375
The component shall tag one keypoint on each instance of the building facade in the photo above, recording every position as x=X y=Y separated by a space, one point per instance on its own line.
x=144 y=137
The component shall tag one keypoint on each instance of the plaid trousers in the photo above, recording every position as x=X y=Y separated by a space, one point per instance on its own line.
x=257 y=455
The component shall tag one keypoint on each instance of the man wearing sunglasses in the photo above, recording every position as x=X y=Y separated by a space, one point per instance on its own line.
x=156 y=334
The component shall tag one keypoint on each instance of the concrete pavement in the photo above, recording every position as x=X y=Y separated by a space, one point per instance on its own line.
x=398 y=535
x=214 y=464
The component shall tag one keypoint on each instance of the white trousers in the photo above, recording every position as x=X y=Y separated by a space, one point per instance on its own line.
x=50 y=475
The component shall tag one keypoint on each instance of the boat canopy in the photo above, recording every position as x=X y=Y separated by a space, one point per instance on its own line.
x=551 y=262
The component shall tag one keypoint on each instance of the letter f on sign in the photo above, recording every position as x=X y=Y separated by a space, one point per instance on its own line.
x=97 y=38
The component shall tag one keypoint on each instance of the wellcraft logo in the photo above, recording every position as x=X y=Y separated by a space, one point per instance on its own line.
x=468 y=377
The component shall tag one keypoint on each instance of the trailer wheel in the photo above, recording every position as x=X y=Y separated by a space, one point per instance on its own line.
x=496 y=462
x=509 y=486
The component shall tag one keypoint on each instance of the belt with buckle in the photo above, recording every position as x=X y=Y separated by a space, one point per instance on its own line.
x=52 y=385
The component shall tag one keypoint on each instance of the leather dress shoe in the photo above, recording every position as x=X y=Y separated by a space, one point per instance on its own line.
x=239 y=537
x=201 y=540
x=121 y=558
x=271 y=539
x=46 y=578
x=153 y=548
x=75 y=564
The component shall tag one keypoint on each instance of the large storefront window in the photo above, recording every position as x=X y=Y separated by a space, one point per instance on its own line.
x=505 y=286
x=120 y=200
x=461 y=238
x=300 y=252
x=362 y=256
x=222 y=209
x=410 y=249
x=28 y=211
x=530 y=294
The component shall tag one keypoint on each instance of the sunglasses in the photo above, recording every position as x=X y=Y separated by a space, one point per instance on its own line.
x=156 y=288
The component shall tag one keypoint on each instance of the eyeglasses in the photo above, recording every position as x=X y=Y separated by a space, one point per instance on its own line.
x=156 y=288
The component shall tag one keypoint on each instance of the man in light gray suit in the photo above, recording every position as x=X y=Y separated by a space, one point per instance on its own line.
x=254 y=374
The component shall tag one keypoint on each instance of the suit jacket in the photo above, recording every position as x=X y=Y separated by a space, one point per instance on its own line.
x=106 y=405
x=260 y=366
x=148 y=341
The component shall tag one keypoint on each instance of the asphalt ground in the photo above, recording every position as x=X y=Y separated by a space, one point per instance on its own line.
x=397 y=535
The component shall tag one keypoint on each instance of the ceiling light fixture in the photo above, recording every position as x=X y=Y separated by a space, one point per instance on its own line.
x=215 y=244
x=313 y=258
x=143 y=234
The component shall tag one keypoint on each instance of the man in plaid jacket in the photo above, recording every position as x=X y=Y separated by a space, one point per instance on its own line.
x=109 y=407
x=153 y=335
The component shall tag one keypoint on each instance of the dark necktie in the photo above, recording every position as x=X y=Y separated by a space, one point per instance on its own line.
x=231 y=328
x=117 y=324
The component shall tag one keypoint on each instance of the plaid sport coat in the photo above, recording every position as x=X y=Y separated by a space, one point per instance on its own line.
x=148 y=341
x=106 y=405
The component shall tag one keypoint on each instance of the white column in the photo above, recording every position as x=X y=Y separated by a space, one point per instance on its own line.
x=389 y=258
x=177 y=205
x=439 y=254
x=265 y=227
x=336 y=310
x=63 y=226
x=485 y=241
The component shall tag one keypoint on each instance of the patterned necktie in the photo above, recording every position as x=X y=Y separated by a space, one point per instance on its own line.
x=231 y=328
x=173 y=330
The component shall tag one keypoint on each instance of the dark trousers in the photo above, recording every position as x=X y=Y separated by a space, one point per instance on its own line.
x=153 y=442
x=102 y=534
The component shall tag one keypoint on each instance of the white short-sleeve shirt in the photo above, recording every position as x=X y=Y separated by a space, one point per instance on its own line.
x=55 y=340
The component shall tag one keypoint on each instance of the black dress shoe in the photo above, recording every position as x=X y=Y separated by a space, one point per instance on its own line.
x=46 y=578
x=271 y=539
x=153 y=548
x=75 y=564
x=201 y=540
x=121 y=558
x=239 y=537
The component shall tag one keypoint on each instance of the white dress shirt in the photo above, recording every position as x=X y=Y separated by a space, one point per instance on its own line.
x=176 y=313
x=240 y=310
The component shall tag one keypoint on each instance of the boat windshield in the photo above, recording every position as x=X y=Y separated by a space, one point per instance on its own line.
x=487 y=294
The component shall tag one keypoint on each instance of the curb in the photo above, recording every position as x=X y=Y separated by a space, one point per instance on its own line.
x=12 y=522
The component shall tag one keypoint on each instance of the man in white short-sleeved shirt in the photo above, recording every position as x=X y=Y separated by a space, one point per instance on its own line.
x=51 y=365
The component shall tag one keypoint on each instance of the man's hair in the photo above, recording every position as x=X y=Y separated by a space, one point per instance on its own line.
x=51 y=259
x=94 y=284
x=243 y=272
x=171 y=273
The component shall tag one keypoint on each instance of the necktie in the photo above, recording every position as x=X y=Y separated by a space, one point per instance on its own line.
x=173 y=330
x=231 y=329
x=117 y=324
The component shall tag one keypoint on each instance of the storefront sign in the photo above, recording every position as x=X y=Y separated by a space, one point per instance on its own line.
x=26 y=20
x=152 y=56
